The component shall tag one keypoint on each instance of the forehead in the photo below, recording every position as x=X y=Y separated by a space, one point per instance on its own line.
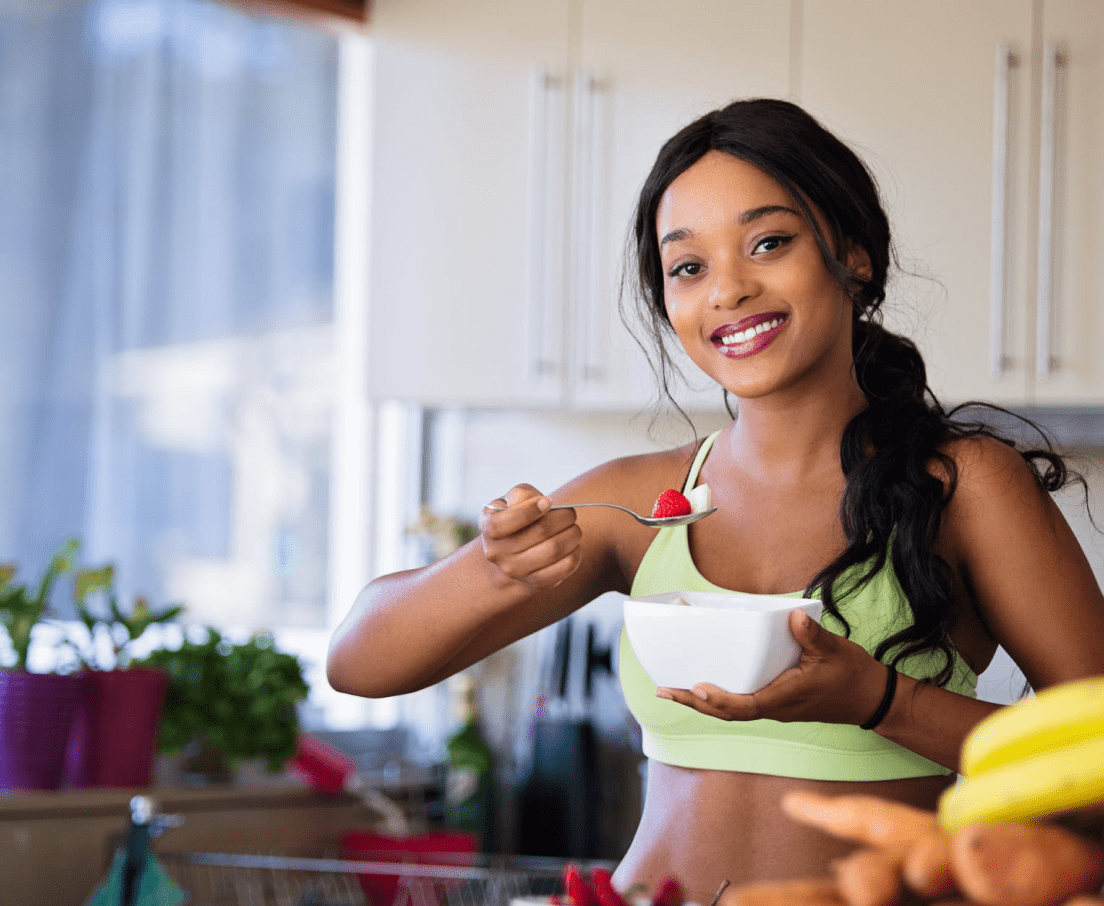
x=718 y=187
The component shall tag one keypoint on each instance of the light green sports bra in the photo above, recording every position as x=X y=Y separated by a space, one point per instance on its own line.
x=678 y=735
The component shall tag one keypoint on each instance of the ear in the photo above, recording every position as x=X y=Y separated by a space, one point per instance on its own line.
x=858 y=261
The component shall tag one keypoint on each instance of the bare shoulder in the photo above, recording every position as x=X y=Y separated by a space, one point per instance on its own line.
x=999 y=511
x=991 y=473
x=1022 y=565
x=633 y=481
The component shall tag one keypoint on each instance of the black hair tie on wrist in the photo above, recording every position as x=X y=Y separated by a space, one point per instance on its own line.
x=887 y=699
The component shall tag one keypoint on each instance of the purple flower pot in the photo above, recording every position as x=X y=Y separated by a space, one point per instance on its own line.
x=36 y=717
x=115 y=732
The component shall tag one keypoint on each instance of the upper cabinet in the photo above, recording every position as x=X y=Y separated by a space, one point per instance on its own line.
x=510 y=141
x=1069 y=337
x=983 y=124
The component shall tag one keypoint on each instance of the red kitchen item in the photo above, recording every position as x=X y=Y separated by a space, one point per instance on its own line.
x=325 y=767
x=443 y=847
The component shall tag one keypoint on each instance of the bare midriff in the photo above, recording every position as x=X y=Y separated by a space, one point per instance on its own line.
x=705 y=827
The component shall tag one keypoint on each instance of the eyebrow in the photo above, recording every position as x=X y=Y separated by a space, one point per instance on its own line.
x=746 y=217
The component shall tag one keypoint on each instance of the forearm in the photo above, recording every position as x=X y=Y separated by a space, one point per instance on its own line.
x=931 y=721
x=405 y=628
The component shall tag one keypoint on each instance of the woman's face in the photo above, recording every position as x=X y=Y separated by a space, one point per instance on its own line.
x=745 y=285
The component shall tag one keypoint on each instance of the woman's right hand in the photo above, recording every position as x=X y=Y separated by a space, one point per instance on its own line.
x=529 y=543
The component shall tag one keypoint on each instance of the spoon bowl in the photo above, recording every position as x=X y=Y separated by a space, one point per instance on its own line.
x=650 y=521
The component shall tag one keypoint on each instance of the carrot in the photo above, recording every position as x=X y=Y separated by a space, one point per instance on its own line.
x=869 y=819
x=926 y=866
x=807 y=892
x=1015 y=864
x=868 y=877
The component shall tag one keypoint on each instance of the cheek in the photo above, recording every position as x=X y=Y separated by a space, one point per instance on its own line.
x=677 y=310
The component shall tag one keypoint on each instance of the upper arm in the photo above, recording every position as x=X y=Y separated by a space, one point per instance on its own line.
x=1019 y=559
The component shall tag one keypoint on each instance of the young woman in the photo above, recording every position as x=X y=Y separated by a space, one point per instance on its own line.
x=762 y=247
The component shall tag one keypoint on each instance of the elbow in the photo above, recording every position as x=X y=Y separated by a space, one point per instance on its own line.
x=344 y=675
x=349 y=672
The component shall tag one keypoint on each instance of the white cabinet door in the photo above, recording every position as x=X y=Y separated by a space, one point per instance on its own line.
x=936 y=95
x=511 y=139
x=646 y=69
x=468 y=185
x=1069 y=347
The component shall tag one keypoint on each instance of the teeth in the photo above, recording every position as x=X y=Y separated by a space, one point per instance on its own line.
x=743 y=336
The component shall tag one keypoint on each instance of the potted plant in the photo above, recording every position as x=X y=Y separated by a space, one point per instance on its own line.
x=229 y=703
x=115 y=732
x=36 y=709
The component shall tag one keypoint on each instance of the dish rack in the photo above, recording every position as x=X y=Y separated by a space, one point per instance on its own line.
x=221 y=879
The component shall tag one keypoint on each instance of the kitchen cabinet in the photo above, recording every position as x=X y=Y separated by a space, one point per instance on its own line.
x=983 y=124
x=510 y=140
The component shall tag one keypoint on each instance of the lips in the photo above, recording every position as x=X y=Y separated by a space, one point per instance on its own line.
x=749 y=335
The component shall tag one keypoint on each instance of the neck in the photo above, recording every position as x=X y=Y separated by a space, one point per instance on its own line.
x=790 y=438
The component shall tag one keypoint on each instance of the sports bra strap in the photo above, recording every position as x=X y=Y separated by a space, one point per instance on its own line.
x=699 y=459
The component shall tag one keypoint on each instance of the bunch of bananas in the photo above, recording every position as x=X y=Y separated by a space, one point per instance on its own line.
x=1041 y=756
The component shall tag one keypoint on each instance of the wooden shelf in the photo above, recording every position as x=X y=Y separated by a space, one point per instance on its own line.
x=55 y=847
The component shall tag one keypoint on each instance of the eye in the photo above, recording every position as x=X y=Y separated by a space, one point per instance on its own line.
x=771 y=244
x=685 y=269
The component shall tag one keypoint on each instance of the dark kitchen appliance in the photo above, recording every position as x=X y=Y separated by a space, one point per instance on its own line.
x=559 y=797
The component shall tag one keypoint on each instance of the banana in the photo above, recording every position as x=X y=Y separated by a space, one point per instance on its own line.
x=1046 y=783
x=1056 y=717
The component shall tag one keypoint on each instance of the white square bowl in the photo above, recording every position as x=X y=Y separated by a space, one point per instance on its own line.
x=737 y=641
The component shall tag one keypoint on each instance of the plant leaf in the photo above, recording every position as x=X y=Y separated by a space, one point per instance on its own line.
x=90 y=581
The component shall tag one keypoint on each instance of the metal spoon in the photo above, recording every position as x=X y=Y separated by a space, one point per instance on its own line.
x=650 y=521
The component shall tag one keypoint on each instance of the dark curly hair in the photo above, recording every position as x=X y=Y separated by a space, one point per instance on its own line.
x=899 y=477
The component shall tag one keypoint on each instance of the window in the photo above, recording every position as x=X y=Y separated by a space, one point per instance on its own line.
x=167 y=324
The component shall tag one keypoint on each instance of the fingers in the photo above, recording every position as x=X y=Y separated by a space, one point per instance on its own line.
x=521 y=506
x=528 y=542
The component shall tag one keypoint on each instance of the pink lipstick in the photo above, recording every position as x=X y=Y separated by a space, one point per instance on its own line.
x=750 y=335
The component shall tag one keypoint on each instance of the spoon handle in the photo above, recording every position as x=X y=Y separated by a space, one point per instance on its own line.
x=571 y=506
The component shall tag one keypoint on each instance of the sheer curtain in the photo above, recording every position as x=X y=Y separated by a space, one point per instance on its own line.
x=167 y=173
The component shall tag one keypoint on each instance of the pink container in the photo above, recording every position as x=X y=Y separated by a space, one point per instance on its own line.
x=36 y=717
x=115 y=733
x=325 y=767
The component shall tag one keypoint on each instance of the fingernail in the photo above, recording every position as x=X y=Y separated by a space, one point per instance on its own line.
x=663 y=693
x=543 y=504
x=701 y=693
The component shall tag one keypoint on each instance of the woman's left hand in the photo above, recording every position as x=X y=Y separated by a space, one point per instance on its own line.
x=836 y=681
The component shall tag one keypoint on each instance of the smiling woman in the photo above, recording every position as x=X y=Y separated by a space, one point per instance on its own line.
x=762 y=249
x=718 y=274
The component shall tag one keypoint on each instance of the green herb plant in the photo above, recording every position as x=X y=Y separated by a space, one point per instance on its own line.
x=107 y=628
x=238 y=699
x=22 y=609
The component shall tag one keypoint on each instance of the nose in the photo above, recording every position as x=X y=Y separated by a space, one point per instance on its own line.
x=731 y=287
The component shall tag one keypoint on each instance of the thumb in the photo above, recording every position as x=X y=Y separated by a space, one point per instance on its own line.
x=807 y=632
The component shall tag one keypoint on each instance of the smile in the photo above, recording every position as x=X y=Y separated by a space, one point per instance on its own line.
x=736 y=341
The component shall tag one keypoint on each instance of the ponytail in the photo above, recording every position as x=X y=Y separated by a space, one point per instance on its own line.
x=899 y=480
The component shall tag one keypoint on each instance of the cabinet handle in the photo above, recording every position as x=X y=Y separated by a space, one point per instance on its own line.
x=1005 y=63
x=545 y=219
x=1044 y=362
x=586 y=163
